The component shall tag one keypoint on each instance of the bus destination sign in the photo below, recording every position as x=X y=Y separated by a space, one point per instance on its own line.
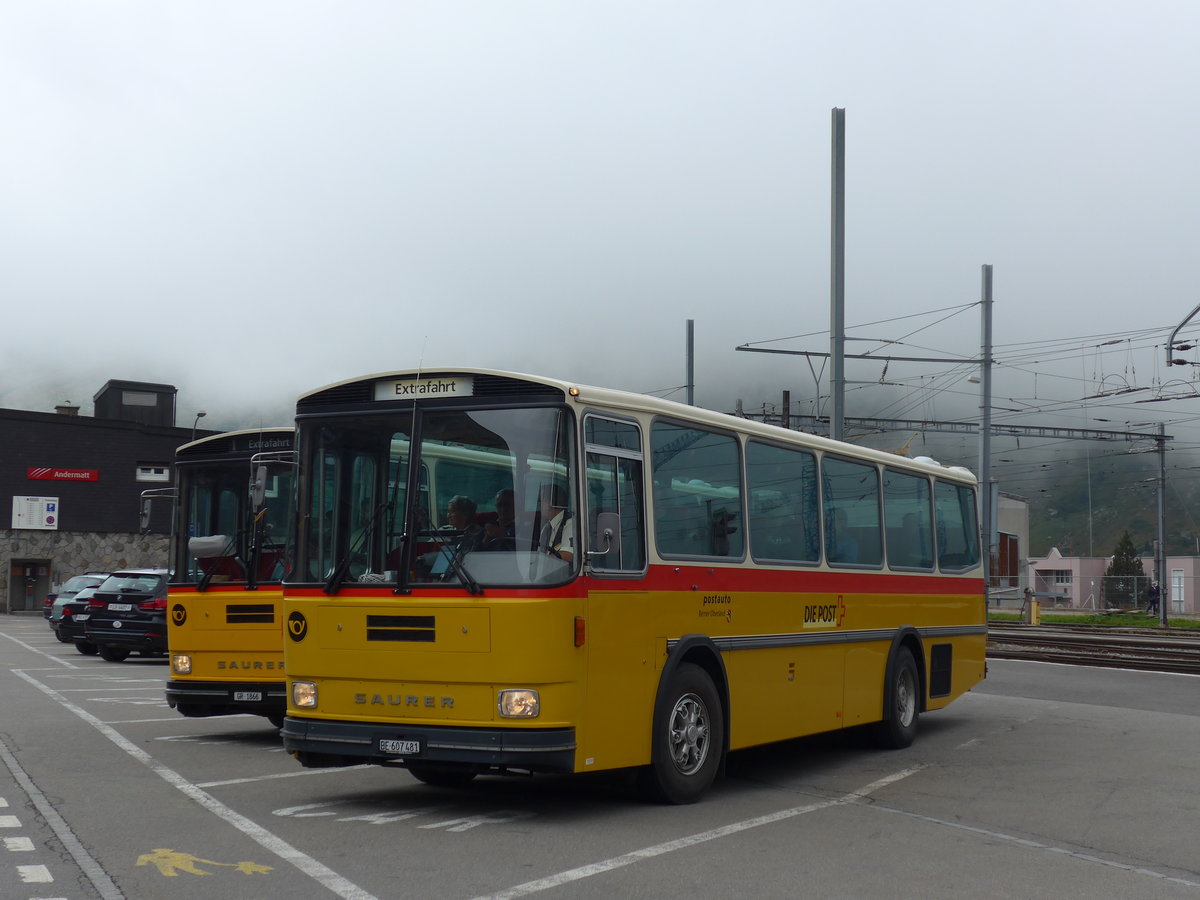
x=425 y=388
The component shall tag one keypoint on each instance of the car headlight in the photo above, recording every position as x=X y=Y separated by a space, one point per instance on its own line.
x=181 y=663
x=519 y=703
x=304 y=695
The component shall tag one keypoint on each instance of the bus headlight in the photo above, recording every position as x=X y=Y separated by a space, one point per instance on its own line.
x=304 y=695
x=181 y=663
x=519 y=703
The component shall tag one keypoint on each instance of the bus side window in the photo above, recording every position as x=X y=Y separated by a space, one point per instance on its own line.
x=783 y=503
x=614 y=495
x=852 y=519
x=906 y=503
x=957 y=539
x=697 y=492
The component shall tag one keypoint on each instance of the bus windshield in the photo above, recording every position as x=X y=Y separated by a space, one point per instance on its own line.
x=488 y=498
x=221 y=537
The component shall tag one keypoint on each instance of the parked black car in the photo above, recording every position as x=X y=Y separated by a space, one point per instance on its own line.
x=73 y=586
x=128 y=614
x=63 y=620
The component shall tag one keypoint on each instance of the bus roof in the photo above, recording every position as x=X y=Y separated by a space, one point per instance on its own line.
x=634 y=403
x=232 y=437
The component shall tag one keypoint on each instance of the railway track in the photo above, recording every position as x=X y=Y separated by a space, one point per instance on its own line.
x=1097 y=646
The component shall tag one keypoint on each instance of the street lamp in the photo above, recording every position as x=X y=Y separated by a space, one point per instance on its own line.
x=200 y=415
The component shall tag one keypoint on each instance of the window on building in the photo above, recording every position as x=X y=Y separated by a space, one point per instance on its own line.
x=1006 y=565
x=153 y=472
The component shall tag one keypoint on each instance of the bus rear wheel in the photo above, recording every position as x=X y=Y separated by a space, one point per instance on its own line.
x=688 y=738
x=902 y=699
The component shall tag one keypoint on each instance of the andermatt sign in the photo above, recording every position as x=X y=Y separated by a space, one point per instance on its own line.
x=49 y=474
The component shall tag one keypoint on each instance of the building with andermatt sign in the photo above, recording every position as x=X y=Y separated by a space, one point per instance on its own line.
x=72 y=485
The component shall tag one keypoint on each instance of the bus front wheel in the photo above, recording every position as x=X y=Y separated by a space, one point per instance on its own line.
x=902 y=703
x=688 y=737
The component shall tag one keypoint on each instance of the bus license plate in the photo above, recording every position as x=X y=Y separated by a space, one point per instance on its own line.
x=405 y=748
x=254 y=696
x=120 y=607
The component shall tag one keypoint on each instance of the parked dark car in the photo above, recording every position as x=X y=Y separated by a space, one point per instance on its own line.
x=74 y=585
x=128 y=614
x=63 y=620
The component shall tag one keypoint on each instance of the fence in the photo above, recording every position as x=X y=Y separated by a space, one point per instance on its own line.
x=1101 y=592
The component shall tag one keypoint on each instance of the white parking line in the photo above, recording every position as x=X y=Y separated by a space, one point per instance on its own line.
x=104 y=885
x=54 y=659
x=340 y=886
x=34 y=874
x=1037 y=845
x=299 y=773
x=626 y=859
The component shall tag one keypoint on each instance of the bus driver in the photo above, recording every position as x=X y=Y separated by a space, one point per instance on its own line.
x=557 y=535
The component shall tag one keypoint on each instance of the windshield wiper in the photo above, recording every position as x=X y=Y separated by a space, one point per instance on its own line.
x=455 y=559
x=334 y=582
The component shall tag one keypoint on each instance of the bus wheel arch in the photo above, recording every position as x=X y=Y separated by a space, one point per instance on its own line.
x=690 y=726
x=903 y=692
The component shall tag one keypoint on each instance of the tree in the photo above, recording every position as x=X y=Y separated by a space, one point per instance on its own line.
x=1124 y=577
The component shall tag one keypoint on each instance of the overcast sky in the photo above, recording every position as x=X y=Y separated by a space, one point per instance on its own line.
x=251 y=200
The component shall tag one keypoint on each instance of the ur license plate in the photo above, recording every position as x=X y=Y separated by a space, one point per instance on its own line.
x=402 y=747
x=247 y=695
x=82 y=617
x=120 y=607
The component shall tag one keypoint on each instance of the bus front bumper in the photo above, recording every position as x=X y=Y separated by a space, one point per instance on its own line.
x=201 y=698
x=319 y=743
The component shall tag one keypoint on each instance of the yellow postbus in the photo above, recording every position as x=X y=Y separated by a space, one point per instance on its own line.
x=230 y=549
x=499 y=573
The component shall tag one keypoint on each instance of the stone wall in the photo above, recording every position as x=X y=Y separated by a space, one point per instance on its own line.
x=69 y=553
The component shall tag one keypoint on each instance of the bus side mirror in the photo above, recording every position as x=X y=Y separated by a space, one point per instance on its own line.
x=608 y=535
x=144 y=521
x=259 y=492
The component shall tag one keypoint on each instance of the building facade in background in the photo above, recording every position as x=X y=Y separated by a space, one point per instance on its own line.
x=72 y=489
x=1079 y=582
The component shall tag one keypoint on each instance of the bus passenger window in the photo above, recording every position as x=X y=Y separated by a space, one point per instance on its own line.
x=957 y=540
x=852 y=525
x=906 y=504
x=783 y=503
x=697 y=492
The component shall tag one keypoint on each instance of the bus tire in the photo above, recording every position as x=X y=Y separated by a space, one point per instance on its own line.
x=441 y=776
x=687 y=740
x=902 y=703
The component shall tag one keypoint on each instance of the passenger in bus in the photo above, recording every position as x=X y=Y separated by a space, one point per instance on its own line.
x=722 y=528
x=844 y=546
x=557 y=532
x=460 y=516
x=502 y=534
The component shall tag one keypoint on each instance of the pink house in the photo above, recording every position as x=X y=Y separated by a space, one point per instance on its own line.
x=1077 y=582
